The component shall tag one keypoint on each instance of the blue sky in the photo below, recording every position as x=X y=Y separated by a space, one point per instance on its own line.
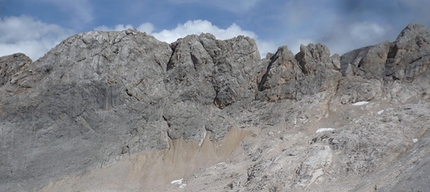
x=35 y=26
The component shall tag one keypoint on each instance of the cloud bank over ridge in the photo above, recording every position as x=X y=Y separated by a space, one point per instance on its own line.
x=35 y=38
x=27 y=35
x=341 y=25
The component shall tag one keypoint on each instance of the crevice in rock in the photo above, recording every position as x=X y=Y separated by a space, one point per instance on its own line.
x=165 y=119
x=170 y=63
x=217 y=102
x=264 y=78
x=392 y=51
x=194 y=60
x=415 y=60
x=168 y=130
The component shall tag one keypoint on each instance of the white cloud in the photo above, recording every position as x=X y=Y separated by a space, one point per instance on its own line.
x=365 y=31
x=201 y=26
x=266 y=47
x=145 y=27
x=356 y=35
x=294 y=45
x=26 y=35
x=35 y=38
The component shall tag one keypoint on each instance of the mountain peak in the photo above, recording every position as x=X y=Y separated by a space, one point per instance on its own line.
x=124 y=106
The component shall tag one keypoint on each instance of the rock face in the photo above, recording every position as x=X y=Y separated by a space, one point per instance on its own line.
x=204 y=73
x=11 y=66
x=404 y=59
x=100 y=95
x=100 y=98
x=311 y=71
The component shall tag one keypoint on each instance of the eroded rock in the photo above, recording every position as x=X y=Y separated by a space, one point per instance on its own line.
x=101 y=96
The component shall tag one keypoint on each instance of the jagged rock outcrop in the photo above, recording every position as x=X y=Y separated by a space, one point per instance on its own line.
x=377 y=71
x=404 y=59
x=409 y=54
x=367 y=62
x=203 y=72
x=11 y=66
x=102 y=97
x=311 y=71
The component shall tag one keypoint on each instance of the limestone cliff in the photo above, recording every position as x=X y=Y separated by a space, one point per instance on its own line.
x=99 y=99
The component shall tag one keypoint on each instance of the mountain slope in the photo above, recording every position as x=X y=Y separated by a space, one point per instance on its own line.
x=124 y=111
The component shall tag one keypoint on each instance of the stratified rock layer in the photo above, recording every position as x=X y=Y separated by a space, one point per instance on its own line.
x=99 y=97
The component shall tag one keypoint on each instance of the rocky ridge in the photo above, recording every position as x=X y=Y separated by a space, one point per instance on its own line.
x=102 y=98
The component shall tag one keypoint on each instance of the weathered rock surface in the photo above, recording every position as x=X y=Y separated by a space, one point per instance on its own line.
x=11 y=66
x=99 y=100
x=204 y=72
x=311 y=71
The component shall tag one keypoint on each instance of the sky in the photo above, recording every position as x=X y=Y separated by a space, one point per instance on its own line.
x=34 y=27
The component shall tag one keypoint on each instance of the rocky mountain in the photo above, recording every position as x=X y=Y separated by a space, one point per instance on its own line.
x=122 y=111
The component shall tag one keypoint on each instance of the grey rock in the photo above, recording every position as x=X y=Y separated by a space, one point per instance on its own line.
x=354 y=89
x=311 y=71
x=81 y=103
x=281 y=77
x=11 y=65
x=414 y=165
x=351 y=60
x=368 y=62
x=373 y=65
x=100 y=97
x=220 y=70
x=404 y=59
x=408 y=57
x=204 y=72
x=311 y=56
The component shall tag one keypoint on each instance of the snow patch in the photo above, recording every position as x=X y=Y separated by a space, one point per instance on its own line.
x=360 y=103
x=415 y=140
x=324 y=129
x=380 y=112
x=221 y=163
x=183 y=186
x=178 y=181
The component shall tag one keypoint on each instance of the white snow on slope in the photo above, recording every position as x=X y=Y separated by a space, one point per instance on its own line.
x=360 y=103
x=324 y=129
x=380 y=112
x=178 y=181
